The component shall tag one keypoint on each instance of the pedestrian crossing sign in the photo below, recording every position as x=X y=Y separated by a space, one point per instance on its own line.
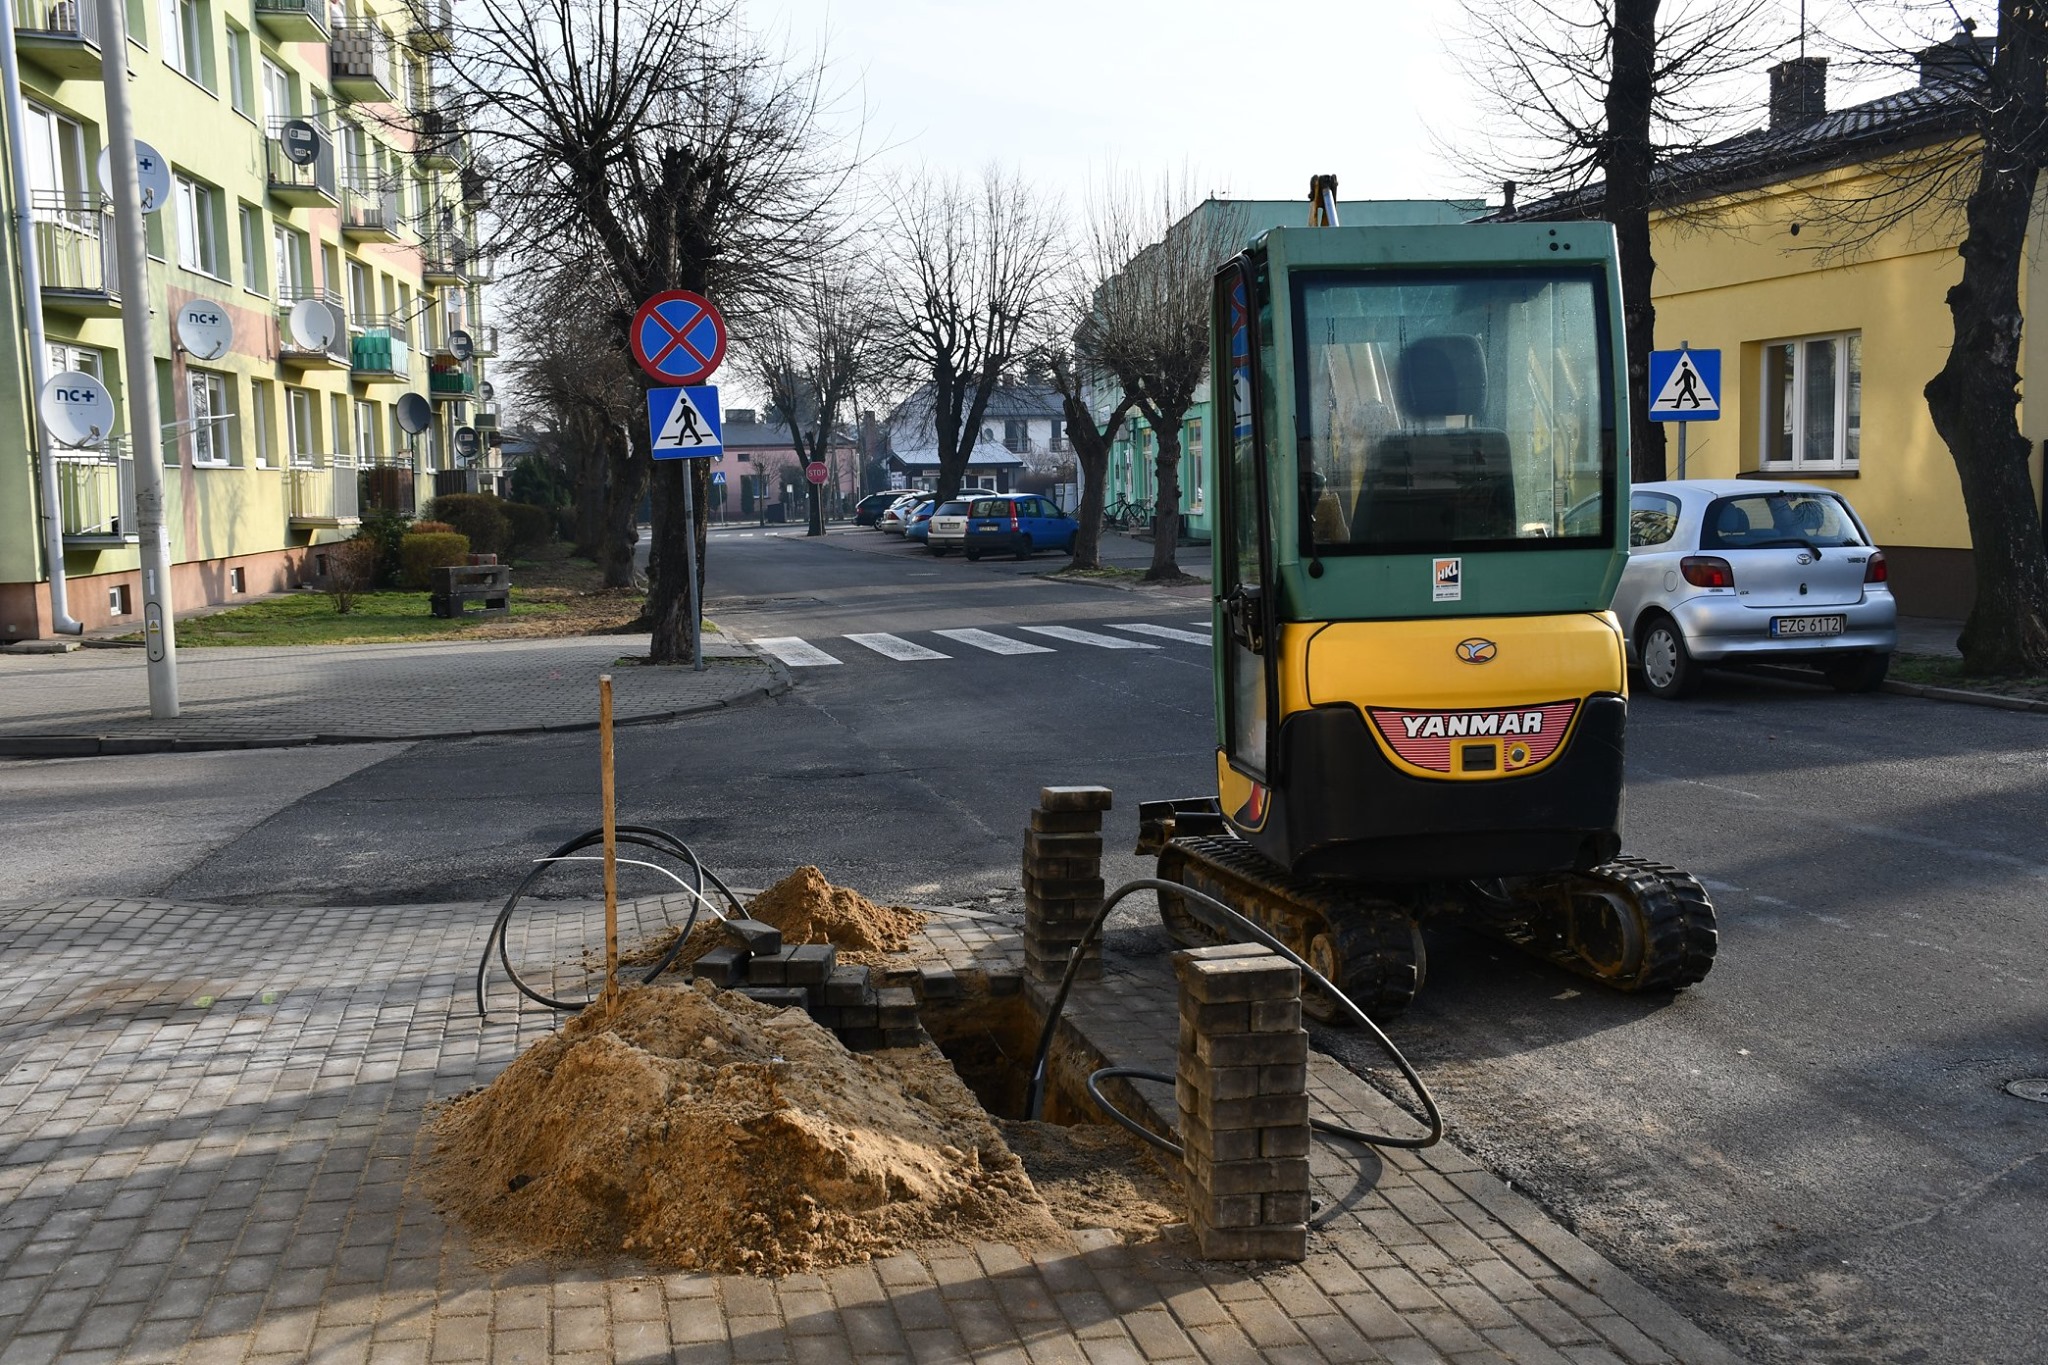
x=1685 y=386
x=685 y=422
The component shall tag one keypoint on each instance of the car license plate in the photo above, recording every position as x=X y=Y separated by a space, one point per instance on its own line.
x=1808 y=625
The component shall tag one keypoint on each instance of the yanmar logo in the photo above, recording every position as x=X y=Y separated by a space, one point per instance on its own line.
x=1428 y=739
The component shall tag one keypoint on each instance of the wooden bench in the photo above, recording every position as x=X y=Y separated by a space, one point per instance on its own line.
x=487 y=586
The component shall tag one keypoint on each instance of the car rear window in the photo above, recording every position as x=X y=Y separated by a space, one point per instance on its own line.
x=990 y=507
x=1756 y=521
x=952 y=509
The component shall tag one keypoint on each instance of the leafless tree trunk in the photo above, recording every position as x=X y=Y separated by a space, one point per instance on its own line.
x=664 y=142
x=811 y=356
x=1588 y=98
x=970 y=268
x=1091 y=440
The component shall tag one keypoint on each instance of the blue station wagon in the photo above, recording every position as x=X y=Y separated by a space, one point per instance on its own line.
x=1018 y=523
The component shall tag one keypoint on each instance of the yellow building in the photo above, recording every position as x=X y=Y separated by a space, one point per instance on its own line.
x=324 y=202
x=1828 y=331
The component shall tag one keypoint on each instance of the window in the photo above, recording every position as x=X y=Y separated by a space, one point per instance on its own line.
x=362 y=302
x=241 y=70
x=337 y=422
x=55 y=151
x=301 y=432
x=1652 y=518
x=1191 y=452
x=366 y=432
x=263 y=412
x=208 y=419
x=199 y=227
x=188 y=39
x=278 y=103
x=1813 y=403
x=289 y=257
x=253 y=276
x=1016 y=435
x=1058 y=440
x=64 y=357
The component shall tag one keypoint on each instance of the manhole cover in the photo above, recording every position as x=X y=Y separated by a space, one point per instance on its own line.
x=2033 y=1088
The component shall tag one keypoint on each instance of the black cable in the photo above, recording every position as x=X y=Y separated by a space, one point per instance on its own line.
x=639 y=836
x=1232 y=923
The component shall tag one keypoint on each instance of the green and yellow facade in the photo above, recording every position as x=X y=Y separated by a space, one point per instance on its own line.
x=351 y=274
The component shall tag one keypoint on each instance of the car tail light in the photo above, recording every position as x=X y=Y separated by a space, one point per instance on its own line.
x=1013 y=516
x=1875 y=570
x=1707 y=571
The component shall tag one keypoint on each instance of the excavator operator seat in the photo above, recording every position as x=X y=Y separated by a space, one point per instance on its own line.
x=1439 y=477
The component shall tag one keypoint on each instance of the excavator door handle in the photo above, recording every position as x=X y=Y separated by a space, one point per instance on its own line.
x=1244 y=615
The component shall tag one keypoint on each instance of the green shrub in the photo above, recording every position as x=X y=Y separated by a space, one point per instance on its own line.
x=351 y=571
x=480 y=516
x=531 y=527
x=422 y=554
x=382 y=530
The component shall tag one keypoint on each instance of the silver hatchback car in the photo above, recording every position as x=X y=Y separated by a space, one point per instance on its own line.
x=1735 y=571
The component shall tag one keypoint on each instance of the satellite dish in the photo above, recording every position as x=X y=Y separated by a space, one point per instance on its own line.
x=415 y=413
x=313 y=325
x=205 y=329
x=487 y=391
x=301 y=141
x=466 y=442
x=76 y=409
x=461 y=344
x=152 y=173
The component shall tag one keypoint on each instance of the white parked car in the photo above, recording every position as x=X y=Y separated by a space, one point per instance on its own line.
x=1735 y=571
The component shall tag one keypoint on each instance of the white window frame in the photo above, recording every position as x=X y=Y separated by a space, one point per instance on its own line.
x=241 y=52
x=263 y=412
x=255 y=276
x=278 y=103
x=199 y=220
x=366 y=432
x=1848 y=414
x=211 y=437
x=303 y=432
x=85 y=360
x=289 y=254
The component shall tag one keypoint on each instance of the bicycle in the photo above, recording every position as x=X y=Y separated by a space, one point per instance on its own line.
x=1125 y=515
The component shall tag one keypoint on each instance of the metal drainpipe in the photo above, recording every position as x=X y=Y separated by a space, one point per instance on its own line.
x=61 y=619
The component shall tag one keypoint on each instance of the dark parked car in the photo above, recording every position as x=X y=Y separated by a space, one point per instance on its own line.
x=868 y=511
x=1018 y=523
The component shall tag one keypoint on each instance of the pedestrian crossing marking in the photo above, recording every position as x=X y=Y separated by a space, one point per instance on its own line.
x=994 y=643
x=1163 y=632
x=795 y=652
x=896 y=647
x=1087 y=637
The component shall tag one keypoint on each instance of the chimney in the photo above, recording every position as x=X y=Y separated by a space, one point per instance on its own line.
x=1799 y=91
x=739 y=417
x=1962 y=60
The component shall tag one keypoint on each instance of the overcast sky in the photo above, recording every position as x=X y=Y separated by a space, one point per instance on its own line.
x=1251 y=98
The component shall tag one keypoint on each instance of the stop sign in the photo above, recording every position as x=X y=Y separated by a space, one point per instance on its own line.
x=815 y=471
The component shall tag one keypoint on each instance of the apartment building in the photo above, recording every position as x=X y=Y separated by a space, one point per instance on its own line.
x=324 y=202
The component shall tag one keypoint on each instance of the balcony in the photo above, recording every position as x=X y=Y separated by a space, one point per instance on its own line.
x=97 y=495
x=324 y=347
x=486 y=339
x=312 y=185
x=476 y=187
x=371 y=210
x=442 y=259
x=322 y=491
x=442 y=142
x=381 y=350
x=61 y=36
x=293 y=21
x=433 y=27
x=480 y=266
x=388 y=485
x=447 y=384
x=359 y=63
x=75 y=249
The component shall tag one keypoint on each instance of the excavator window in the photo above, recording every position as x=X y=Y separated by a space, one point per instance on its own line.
x=1453 y=411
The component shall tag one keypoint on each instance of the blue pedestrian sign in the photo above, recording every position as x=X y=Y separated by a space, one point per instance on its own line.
x=685 y=422
x=1685 y=386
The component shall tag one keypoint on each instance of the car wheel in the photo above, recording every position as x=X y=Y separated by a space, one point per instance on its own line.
x=972 y=555
x=1668 y=666
x=933 y=549
x=1023 y=550
x=1857 y=673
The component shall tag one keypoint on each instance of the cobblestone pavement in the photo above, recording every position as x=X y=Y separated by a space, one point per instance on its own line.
x=209 y=1115
x=97 y=700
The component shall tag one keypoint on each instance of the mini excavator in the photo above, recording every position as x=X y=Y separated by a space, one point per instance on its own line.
x=1421 y=475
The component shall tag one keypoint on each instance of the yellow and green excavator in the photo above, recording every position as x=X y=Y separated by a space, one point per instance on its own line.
x=1421 y=696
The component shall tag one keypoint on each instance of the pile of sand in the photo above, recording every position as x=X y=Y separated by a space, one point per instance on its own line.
x=807 y=909
x=702 y=1130
x=1094 y=1175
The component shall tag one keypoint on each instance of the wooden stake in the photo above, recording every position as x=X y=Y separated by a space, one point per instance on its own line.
x=611 y=839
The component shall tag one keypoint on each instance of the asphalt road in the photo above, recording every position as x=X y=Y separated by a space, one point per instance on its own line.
x=1811 y=1153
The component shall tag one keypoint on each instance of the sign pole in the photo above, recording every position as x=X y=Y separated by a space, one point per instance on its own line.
x=611 y=839
x=145 y=430
x=1681 y=448
x=690 y=568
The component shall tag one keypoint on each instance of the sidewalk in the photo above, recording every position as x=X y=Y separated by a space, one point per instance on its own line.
x=209 y=1117
x=96 y=701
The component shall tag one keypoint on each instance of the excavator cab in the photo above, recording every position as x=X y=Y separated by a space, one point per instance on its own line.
x=1421 y=477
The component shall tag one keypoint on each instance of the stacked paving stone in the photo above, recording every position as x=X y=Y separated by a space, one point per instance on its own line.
x=1063 y=880
x=1242 y=1090
x=865 y=1013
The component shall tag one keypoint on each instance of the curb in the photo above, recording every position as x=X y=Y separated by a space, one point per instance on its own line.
x=1116 y=585
x=98 y=746
x=1965 y=696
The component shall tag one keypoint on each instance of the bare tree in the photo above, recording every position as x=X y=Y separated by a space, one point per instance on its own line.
x=1588 y=97
x=970 y=268
x=570 y=373
x=1148 y=326
x=1091 y=438
x=812 y=355
x=669 y=144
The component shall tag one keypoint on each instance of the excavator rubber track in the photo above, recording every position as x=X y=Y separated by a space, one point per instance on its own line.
x=1630 y=924
x=1370 y=947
